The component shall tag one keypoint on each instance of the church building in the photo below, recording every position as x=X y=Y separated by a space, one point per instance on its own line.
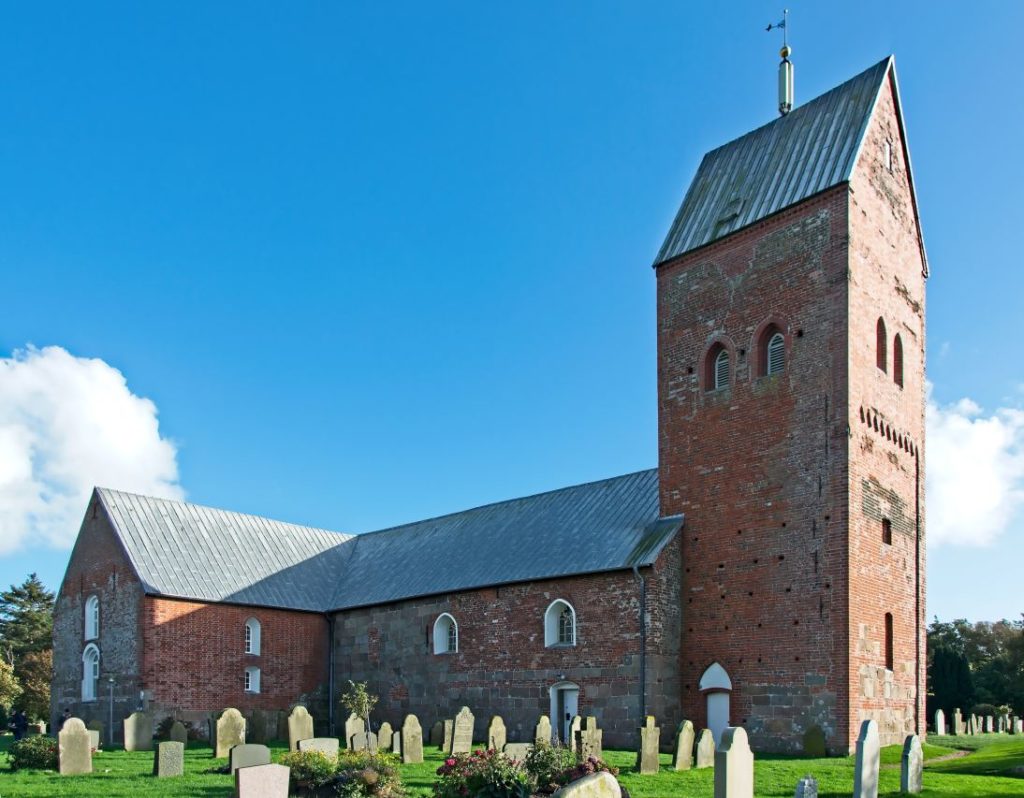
x=769 y=573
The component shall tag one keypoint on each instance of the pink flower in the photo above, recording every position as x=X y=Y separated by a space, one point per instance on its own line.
x=449 y=762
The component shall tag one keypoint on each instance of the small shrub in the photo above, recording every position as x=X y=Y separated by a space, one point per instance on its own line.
x=309 y=769
x=361 y=774
x=483 y=774
x=545 y=763
x=39 y=753
x=588 y=766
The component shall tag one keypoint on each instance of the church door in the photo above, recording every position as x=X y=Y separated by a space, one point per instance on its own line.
x=565 y=698
x=718 y=714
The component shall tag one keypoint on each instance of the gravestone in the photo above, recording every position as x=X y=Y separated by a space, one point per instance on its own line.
x=95 y=728
x=1018 y=725
x=396 y=743
x=178 y=733
x=911 y=765
x=650 y=741
x=353 y=725
x=958 y=722
x=462 y=732
x=574 y=727
x=865 y=770
x=328 y=746
x=682 y=754
x=437 y=734
x=517 y=751
x=1001 y=724
x=496 y=734
x=412 y=740
x=37 y=728
x=138 y=732
x=705 y=749
x=588 y=739
x=542 y=731
x=734 y=765
x=94 y=740
x=169 y=760
x=990 y=726
x=814 y=742
x=596 y=785
x=385 y=735
x=262 y=781
x=247 y=755
x=261 y=725
x=300 y=727
x=229 y=731
x=940 y=722
x=448 y=730
x=807 y=787
x=74 y=751
x=363 y=741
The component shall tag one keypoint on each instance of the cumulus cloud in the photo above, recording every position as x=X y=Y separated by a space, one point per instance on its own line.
x=66 y=424
x=975 y=472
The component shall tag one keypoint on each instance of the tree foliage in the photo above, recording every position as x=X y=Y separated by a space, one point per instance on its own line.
x=359 y=700
x=26 y=619
x=36 y=671
x=9 y=687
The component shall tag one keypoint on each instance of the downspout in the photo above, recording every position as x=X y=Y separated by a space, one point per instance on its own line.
x=917 y=591
x=643 y=643
x=330 y=674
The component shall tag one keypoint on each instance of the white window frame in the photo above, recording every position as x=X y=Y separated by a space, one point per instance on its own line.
x=252 y=679
x=445 y=627
x=775 y=354
x=90 y=672
x=722 y=368
x=92 y=618
x=552 y=624
x=253 y=637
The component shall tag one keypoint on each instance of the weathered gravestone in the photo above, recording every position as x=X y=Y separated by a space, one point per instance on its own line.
x=364 y=741
x=807 y=787
x=437 y=734
x=328 y=746
x=517 y=751
x=496 y=734
x=229 y=731
x=247 y=755
x=940 y=722
x=462 y=732
x=448 y=728
x=169 y=760
x=74 y=753
x=814 y=742
x=958 y=722
x=178 y=733
x=1018 y=725
x=36 y=729
x=95 y=728
x=262 y=781
x=990 y=725
x=354 y=725
x=911 y=765
x=261 y=725
x=734 y=765
x=384 y=736
x=300 y=727
x=542 y=731
x=705 y=749
x=138 y=732
x=412 y=740
x=396 y=742
x=94 y=740
x=1001 y=724
x=682 y=755
x=865 y=769
x=588 y=739
x=574 y=726
x=596 y=785
x=650 y=741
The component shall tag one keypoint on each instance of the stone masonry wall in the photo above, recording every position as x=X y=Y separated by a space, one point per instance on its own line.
x=98 y=566
x=887 y=438
x=758 y=467
x=502 y=666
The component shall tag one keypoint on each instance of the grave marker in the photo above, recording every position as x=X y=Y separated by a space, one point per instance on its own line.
x=462 y=732
x=911 y=765
x=814 y=742
x=412 y=740
x=588 y=739
x=705 y=749
x=328 y=746
x=74 y=751
x=169 y=760
x=865 y=772
x=650 y=740
x=940 y=722
x=247 y=755
x=229 y=731
x=734 y=765
x=807 y=787
x=542 y=731
x=353 y=725
x=300 y=727
x=448 y=728
x=496 y=734
x=138 y=732
x=682 y=756
x=178 y=733
x=262 y=781
x=385 y=736
x=574 y=727
x=437 y=734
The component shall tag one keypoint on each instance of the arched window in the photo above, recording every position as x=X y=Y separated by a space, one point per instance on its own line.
x=252 y=680
x=90 y=672
x=560 y=624
x=92 y=618
x=775 y=360
x=881 y=342
x=721 y=369
x=446 y=634
x=252 y=637
x=897 y=360
x=889 y=658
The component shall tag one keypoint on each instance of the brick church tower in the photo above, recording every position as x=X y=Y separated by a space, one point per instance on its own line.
x=791 y=424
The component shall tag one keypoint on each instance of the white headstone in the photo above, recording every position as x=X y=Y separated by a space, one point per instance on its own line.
x=940 y=722
x=911 y=765
x=807 y=787
x=734 y=765
x=262 y=781
x=865 y=772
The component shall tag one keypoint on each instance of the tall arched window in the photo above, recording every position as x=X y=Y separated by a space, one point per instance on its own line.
x=881 y=342
x=90 y=672
x=92 y=618
x=897 y=360
x=446 y=634
x=252 y=637
x=721 y=369
x=252 y=680
x=560 y=624
x=889 y=658
x=775 y=355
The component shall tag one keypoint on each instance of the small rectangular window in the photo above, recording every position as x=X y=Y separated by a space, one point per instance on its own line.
x=887 y=531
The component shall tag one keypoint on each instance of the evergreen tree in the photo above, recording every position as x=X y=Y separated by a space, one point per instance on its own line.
x=26 y=620
x=35 y=673
x=950 y=682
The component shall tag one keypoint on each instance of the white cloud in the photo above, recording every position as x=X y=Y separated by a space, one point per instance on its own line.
x=66 y=424
x=975 y=472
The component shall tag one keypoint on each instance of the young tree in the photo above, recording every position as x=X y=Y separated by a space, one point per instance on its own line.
x=359 y=701
x=26 y=619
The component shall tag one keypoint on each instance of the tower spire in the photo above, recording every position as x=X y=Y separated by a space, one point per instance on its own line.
x=785 y=67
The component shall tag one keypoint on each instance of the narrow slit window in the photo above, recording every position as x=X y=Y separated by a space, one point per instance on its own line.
x=881 y=340
x=897 y=360
x=889 y=659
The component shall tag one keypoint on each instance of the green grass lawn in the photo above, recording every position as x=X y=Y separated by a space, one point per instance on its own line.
x=981 y=774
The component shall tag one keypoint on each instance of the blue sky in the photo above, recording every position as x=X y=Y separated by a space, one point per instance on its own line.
x=372 y=264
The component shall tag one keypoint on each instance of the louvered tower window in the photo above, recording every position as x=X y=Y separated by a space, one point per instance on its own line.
x=722 y=369
x=776 y=354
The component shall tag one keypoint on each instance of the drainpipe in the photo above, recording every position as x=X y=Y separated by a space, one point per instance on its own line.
x=330 y=673
x=917 y=591
x=643 y=643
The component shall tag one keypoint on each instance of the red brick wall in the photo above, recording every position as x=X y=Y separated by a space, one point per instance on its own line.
x=195 y=656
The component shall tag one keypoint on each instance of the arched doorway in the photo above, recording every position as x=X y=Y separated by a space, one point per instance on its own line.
x=565 y=705
x=716 y=686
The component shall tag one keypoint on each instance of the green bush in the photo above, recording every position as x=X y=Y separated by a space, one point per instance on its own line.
x=309 y=769
x=545 y=763
x=39 y=753
x=361 y=774
x=482 y=774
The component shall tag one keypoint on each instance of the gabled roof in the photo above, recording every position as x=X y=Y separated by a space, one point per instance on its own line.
x=187 y=551
x=805 y=152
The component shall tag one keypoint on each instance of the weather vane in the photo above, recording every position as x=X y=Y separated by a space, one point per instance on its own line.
x=786 y=67
x=781 y=25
